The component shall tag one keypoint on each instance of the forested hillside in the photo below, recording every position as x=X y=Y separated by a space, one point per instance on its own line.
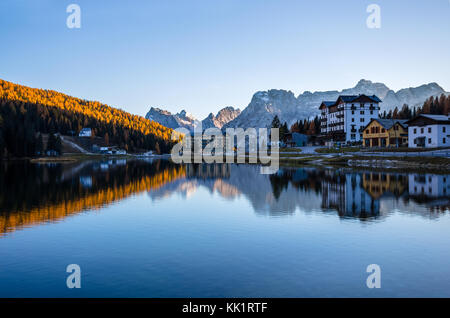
x=25 y=111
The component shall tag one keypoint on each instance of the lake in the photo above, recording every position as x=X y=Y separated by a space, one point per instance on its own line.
x=150 y=228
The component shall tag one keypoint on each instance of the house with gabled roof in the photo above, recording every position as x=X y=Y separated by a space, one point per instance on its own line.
x=429 y=131
x=386 y=133
x=343 y=120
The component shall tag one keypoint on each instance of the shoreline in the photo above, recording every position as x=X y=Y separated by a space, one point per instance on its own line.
x=437 y=164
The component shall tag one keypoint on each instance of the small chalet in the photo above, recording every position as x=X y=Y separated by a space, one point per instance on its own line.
x=386 y=133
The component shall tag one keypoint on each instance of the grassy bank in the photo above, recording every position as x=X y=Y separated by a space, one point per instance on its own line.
x=337 y=150
x=402 y=149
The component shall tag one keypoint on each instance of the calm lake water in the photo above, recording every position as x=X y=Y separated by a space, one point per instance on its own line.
x=155 y=229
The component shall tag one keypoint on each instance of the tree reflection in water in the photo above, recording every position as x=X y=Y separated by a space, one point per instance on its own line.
x=35 y=193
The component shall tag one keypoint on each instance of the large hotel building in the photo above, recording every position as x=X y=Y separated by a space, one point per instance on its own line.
x=344 y=120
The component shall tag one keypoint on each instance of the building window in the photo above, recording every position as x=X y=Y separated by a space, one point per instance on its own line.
x=362 y=112
x=443 y=129
x=353 y=120
x=429 y=129
x=383 y=130
x=429 y=140
x=371 y=112
x=421 y=130
x=361 y=120
x=353 y=112
x=443 y=140
x=415 y=130
x=352 y=136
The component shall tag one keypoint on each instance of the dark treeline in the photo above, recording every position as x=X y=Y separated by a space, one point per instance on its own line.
x=307 y=126
x=25 y=111
x=22 y=125
x=433 y=105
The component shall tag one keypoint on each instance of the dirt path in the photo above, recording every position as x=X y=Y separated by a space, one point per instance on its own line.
x=74 y=145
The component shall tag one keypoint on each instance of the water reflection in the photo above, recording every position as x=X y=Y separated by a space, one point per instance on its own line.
x=34 y=193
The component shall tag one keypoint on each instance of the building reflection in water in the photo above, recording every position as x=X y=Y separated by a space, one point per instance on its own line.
x=34 y=193
x=430 y=189
x=346 y=194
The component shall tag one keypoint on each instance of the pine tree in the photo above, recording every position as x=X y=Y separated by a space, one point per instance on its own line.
x=106 y=139
x=395 y=114
x=276 y=122
x=51 y=142
x=39 y=145
x=58 y=144
x=294 y=127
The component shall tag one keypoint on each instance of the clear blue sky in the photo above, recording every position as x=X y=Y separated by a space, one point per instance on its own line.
x=204 y=55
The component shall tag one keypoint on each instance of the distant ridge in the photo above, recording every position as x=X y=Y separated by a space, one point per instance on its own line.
x=186 y=120
x=266 y=104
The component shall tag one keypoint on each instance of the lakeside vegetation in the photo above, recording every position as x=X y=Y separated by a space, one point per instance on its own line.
x=26 y=112
x=337 y=150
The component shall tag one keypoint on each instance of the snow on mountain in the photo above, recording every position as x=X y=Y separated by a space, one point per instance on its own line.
x=186 y=120
x=166 y=118
x=413 y=96
x=224 y=116
x=265 y=105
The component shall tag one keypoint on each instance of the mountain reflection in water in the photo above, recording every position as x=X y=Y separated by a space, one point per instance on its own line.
x=34 y=193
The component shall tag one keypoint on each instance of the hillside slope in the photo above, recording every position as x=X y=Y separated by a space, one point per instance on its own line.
x=24 y=110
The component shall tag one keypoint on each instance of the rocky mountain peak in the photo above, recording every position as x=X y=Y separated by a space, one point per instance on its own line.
x=264 y=105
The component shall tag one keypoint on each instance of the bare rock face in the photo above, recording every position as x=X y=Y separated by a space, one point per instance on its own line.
x=266 y=104
x=186 y=120
x=224 y=116
x=166 y=118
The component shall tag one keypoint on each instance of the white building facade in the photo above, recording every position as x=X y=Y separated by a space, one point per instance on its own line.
x=344 y=120
x=429 y=131
x=430 y=185
x=85 y=132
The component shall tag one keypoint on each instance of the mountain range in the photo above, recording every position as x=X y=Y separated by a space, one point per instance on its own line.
x=186 y=120
x=264 y=105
